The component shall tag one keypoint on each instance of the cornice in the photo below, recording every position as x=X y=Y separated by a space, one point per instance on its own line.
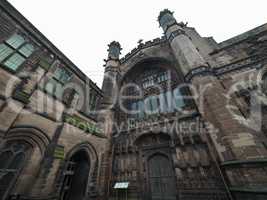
x=237 y=42
x=246 y=63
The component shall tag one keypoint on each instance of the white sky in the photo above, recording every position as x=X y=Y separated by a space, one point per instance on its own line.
x=81 y=29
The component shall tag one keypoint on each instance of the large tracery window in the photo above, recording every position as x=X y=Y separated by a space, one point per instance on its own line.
x=12 y=159
x=160 y=90
x=55 y=85
x=152 y=78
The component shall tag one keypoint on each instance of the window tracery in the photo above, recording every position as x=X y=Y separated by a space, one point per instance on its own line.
x=12 y=159
x=160 y=92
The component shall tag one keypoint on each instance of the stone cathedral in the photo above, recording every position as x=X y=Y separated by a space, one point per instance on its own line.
x=180 y=117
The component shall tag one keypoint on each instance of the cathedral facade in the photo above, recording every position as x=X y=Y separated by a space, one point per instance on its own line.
x=180 y=117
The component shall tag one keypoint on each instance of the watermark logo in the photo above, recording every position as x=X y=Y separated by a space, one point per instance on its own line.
x=139 y=105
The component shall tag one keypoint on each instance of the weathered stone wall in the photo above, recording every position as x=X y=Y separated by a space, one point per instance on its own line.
x=29 y=113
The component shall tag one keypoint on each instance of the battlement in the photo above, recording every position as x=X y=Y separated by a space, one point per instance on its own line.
x=141 y=46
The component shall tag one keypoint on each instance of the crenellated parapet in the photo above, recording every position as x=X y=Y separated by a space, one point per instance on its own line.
x=142 y=46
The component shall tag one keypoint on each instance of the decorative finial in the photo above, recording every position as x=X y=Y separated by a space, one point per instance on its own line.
x=140 y=41
x=163 y=12
x=166 y=19
x=114 y=50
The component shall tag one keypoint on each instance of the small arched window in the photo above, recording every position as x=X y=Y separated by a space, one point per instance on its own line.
x=12 y=159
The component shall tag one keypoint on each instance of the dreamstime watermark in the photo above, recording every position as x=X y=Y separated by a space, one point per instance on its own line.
x=149 y=110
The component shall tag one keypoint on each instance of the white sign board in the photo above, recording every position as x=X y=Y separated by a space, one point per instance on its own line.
x=121 y=185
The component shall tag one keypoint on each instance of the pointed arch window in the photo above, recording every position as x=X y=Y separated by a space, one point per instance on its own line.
x=169 y=101
x=163 y=103
x=55 y=85
x=12 y=159
x=166 y=102
x=141 y=113
x=178 y=99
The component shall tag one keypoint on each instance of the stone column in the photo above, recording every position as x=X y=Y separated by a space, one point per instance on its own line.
x=109 y=88
x=106 y=115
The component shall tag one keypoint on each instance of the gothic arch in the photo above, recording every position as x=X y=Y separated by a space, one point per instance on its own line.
x=37 y=141
x=158 y=152
x=87 y=147
x=160 y=175
x=166 y=63
x=84 y=157
x=32 y=135
x=25 y=147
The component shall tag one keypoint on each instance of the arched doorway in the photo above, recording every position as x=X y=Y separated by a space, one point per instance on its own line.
x=161 y=178
x=76 y=176
x=13 y=157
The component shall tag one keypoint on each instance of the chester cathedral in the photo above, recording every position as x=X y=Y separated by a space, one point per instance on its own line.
x=180 y=117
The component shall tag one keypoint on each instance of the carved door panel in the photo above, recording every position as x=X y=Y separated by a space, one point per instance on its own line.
x=161 y=178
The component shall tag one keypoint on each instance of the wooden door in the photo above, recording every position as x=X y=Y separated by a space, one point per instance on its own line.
x=161 y=178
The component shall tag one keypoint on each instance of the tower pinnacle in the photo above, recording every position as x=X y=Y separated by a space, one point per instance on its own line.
x=183 y=48
x=114 y=50
x=166 y=19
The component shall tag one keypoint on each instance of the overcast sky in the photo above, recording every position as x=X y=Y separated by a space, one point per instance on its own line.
x=81 y=29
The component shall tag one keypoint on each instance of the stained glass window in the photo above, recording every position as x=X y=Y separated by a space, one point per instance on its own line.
x=62 y=75
x=55 y=85
x=163 y=103
x=178 y=99
x=26 y=50
x=5 y=51
x=14 y=51
x=92 y=101
x=141 y=109
x=134 y=108
x=148 y=81
x=15 y=41
x=169 y=101
x=12 y=159
x=154 y=104
x=163 y=77
x=49 y=87
x=158 y=95
x=148 y=107
x=14 y=61
x=54 y=88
